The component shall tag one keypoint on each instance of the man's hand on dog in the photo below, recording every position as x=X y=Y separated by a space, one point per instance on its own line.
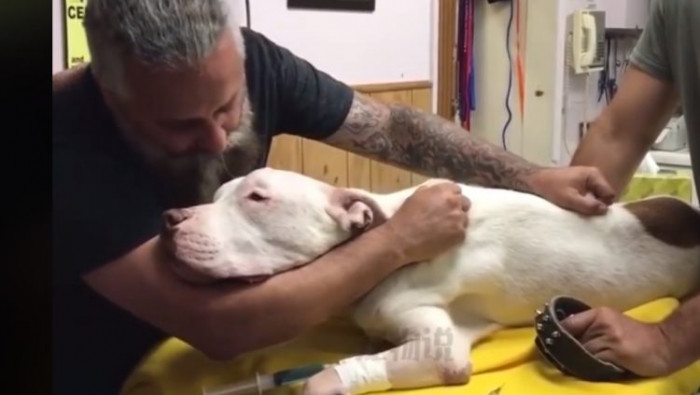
x=611 y=336
x=431 y=221
x=578 y=188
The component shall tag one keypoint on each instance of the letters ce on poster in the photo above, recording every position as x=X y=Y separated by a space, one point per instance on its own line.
x=76 y=49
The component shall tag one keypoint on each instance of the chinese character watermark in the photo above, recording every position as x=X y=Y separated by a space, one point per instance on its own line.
x=427 y=344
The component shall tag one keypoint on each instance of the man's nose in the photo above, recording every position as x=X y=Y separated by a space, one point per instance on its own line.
x=213 y=139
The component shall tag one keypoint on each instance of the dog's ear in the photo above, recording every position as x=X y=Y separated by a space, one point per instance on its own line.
x=354 y=211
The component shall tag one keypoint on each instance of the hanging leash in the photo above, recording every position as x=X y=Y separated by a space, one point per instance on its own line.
x=612 y=82
x=472 y=82
x=466 y=62
x=510 y=77
x=461 y=42
x=605 y=74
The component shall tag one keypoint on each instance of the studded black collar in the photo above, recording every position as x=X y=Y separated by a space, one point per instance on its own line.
x=564 y=351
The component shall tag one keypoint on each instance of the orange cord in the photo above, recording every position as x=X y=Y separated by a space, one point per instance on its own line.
x=519 y=62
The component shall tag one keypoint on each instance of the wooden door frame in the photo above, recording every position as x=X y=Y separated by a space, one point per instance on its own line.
x=447 y=49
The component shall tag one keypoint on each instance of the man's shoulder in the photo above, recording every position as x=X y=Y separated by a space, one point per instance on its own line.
x=265 y=61
x=676 y=14
x=661 y=47
x=88 y=152
x=103 y=204
x=675 y=8
x=77 y=107
x=268 y=59
x=71 y=87
x=260 y=52
x=300 y=98
x=257 y=43
x=66 y=103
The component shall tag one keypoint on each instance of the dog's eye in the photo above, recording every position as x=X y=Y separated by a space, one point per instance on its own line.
x=257 y=197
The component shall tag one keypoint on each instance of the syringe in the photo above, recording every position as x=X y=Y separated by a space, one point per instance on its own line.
x=264 y=382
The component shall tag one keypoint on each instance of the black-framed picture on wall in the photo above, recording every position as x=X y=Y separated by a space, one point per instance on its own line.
x=333 y=5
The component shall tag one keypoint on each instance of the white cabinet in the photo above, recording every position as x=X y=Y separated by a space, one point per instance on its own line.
x=625 y=14
x=682 y=171
x=676 y=163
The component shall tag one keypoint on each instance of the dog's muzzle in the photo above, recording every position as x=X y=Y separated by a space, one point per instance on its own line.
x=563 y=350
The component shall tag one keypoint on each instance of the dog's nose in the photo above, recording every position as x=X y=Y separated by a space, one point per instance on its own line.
x=174 y=217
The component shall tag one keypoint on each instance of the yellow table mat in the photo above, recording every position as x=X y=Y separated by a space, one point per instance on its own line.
x=646 y=185
x=505 y=363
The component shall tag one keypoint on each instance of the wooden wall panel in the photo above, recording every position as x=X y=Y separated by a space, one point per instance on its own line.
x=325 y=163
x=422 y=99
x=359 y=172
x=344 y=169
x=386 y=178
x=447 y=67
x=285 y=153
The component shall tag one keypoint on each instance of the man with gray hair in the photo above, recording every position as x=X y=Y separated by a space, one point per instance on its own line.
x=177 y=101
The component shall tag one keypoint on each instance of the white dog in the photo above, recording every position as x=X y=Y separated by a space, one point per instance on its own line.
x=520 y=251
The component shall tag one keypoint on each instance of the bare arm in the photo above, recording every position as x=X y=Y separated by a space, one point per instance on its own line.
x=616 y=143
x=624 y=132
x=412 y=139
x=682 y=333
x=227 y=319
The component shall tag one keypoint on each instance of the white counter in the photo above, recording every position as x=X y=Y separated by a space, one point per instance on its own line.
x=672 y=158
x=677 y=162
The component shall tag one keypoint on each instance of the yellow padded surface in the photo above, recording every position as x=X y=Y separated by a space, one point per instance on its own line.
x=506 y=360
x=645 y=185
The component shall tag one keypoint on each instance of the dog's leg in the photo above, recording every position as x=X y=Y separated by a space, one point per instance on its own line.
x=432 y=352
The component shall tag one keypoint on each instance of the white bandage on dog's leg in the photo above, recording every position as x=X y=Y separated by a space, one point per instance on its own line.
x=363 y=374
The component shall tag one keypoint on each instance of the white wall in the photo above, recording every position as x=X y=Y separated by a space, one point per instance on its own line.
x=393 y=44
x=527 y=135
x=491 y=76
x=572 y=105
x=389 y=45
x=548 y=133
x=57 y=38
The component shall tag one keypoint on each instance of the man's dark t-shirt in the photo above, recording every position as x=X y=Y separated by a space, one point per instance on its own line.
x=105 y=204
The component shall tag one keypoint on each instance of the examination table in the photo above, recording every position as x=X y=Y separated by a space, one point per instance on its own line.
x=506 y=363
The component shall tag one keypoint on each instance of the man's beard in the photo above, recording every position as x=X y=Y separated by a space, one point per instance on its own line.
x=192 y=179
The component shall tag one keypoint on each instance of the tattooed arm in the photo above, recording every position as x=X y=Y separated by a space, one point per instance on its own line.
x=428 y=144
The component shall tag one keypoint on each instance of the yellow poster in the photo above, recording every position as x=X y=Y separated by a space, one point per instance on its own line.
x=76 y=44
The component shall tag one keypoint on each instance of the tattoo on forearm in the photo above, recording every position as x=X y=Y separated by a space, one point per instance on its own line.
x=426 y=143
x=365 y=115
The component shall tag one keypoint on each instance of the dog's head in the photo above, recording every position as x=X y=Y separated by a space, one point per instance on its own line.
x=264 y=223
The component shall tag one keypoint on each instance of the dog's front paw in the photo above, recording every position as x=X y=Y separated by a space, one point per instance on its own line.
x=456 y=373
x=326 y=382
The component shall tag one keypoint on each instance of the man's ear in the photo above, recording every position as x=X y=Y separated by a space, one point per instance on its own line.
x=354 y=211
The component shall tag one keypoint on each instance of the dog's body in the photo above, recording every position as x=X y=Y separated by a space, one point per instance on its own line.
x=520 y=251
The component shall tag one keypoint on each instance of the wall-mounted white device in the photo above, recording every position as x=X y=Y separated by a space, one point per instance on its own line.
x=586 y=41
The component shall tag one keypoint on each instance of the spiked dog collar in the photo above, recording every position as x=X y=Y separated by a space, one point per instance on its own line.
x=563 y=350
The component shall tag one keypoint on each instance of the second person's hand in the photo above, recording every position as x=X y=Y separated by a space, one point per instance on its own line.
x=580 y=189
